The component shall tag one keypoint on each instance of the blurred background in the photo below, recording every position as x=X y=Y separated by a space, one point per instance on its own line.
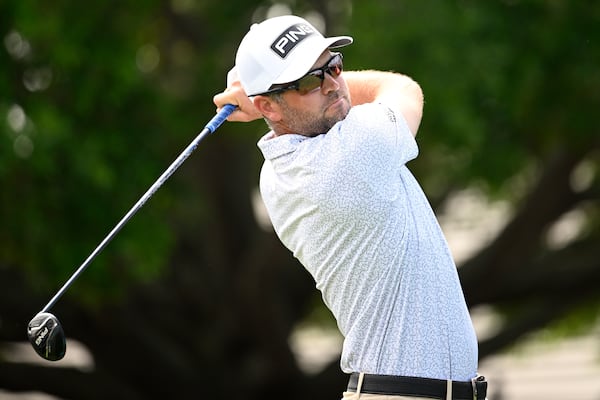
x=196 y=297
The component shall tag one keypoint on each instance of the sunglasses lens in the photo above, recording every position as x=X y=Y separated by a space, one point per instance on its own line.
x=314 y=79
x=310 y=82
x=335 y=67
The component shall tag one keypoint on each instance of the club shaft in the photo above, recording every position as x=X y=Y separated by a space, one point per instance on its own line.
x=208 y=129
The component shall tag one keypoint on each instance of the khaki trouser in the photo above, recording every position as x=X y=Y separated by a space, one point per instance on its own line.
x=367 y=396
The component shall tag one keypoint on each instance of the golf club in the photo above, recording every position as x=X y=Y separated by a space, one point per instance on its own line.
x=44 y=331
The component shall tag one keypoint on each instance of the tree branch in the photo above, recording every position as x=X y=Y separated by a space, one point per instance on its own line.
x=520 y=240
x=530 y=318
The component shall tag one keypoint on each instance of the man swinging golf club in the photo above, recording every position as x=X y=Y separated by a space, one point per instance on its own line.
x=341 y=199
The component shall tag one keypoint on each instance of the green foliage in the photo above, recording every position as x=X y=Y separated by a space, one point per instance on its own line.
x=580 y=321
x=505 y=83
x=94 y=129
x=103 y=97
x=100 y=97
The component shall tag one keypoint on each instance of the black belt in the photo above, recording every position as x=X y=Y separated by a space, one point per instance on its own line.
x=419 y=387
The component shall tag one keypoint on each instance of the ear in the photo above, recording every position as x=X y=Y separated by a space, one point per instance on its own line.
x=268 y=108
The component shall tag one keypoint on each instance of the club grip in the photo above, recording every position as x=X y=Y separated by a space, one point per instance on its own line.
x=221 y=116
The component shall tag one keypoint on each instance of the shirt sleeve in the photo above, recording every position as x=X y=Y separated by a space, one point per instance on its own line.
x=379 y=133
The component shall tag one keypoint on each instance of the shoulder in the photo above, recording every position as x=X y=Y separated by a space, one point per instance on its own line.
x=376 y=121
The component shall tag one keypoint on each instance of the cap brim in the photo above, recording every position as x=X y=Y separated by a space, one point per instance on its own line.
x=302 y=62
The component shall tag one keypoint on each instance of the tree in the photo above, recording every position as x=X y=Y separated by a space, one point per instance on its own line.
x=514 y=88
x=193 y=294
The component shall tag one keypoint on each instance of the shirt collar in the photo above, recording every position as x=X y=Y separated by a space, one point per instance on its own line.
x=276 y=146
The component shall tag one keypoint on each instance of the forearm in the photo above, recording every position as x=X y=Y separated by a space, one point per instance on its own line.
x=395 y=90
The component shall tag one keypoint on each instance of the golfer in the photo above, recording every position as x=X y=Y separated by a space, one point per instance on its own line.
x=341 y=199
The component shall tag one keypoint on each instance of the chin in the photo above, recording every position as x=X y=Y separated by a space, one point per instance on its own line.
x=340 y=109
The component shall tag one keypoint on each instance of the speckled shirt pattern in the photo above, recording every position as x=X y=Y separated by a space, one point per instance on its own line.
x=346 y=205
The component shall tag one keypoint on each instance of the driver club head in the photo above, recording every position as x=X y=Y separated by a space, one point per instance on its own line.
x=47 y=337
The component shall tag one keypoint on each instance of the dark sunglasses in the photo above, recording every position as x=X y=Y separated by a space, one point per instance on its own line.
x=313 y=79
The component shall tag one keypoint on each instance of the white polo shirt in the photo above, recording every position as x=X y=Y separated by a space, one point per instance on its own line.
x=349 y=209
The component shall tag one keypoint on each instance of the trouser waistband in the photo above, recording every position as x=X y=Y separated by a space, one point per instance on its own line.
x=475 y=389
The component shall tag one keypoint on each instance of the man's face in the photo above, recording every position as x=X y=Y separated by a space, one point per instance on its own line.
x=317 y=111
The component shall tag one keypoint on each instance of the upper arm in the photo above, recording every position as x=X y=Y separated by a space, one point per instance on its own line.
x=397 y=91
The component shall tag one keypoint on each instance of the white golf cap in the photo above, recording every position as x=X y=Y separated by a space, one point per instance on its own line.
x=280 y=50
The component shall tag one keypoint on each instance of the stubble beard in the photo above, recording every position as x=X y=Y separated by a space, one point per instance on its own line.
x=313 y=123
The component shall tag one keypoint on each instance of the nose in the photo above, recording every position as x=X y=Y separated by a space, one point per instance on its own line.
x=329 y=84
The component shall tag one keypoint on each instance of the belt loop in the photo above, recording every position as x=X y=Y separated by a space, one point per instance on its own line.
x=361 y=376
x=449 y=389
x=474 y=385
